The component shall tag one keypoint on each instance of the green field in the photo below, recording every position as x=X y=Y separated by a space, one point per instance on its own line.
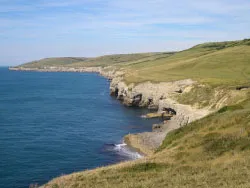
x=101 y=61
x=212 y=63
x=60 y=61
x=222 y=63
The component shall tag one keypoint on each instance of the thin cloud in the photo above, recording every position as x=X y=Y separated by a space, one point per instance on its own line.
x=116 y=26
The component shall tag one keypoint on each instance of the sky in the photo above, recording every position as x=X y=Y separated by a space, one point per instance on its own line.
x=36 y=29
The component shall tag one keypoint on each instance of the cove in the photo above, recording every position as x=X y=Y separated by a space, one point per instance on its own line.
x=58 y=123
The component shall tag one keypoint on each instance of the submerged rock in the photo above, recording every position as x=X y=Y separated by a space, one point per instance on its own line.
x=157 y=127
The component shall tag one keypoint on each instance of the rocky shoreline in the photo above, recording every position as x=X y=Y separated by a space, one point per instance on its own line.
x=160 y=98
x=157 y=96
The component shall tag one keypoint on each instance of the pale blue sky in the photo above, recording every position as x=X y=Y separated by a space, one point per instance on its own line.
x=37 y=29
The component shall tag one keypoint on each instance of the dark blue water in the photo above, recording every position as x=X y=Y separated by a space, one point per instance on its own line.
x=58 y=123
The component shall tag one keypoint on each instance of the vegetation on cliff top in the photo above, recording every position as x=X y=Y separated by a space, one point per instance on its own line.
x=101 y=61
x=226 y=63
x=56 y=62
x=220 y=63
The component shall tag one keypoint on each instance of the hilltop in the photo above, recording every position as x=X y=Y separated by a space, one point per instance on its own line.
x=217 y=63
x=86 y=62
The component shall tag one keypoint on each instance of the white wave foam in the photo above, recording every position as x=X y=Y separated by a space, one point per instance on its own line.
x=124 y=150
x=118 y=146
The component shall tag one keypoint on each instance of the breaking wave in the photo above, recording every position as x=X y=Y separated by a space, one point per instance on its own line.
x=124 y=151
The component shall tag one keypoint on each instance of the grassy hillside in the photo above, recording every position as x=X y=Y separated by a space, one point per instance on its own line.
x=220 y=63
x=118 y=59
x=60 y=61
x=211 y=152
x=89 y=62
x=226 y=63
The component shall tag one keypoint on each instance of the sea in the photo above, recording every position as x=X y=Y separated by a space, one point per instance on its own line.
x=57 y=123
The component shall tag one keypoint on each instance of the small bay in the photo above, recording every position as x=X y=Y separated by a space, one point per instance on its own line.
x=58 y=123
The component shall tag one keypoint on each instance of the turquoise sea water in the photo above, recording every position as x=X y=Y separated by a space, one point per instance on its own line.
x=58 y=123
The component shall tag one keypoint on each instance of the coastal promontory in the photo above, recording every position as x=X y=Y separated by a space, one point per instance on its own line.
x=202 y=95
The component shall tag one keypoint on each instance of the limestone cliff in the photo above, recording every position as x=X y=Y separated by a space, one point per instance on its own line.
x=157 y=96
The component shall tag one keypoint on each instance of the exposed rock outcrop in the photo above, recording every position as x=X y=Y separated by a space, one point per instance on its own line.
x=146 y=94
x=184 y=113
x=159 y=96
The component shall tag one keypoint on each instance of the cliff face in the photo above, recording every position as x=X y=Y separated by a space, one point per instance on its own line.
x=184 y=113
x=158 y=96
x=146 y=94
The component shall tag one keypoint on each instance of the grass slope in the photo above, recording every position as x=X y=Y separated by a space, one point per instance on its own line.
x=110 y=60
x=226 y=63
x=89 y=62
x=60 y=61
x=215 y=64
x=211 y=152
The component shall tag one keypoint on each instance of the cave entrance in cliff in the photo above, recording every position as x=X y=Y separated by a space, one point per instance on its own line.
x=116 y=92
x=170 y=111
